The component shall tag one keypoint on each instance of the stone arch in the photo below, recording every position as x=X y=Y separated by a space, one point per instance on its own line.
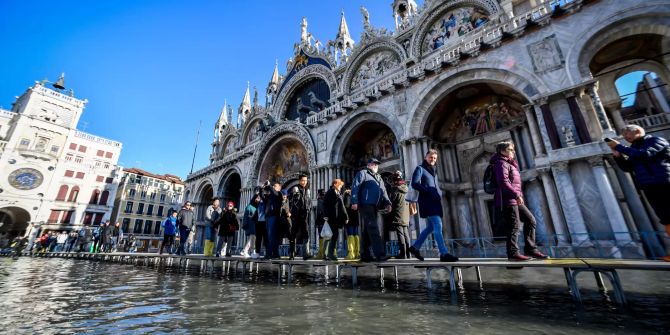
x=430 y=16
x=340 y=140
x=309 y=72
x=201 y=187
x=15 y=220
x=647 y=18
x=360 y=55
x=287 y=127
x=228 y=139
x=527 y=85
x=250 y=126
x=232 y=177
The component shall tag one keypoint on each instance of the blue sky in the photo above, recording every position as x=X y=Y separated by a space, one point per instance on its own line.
x=153 y=69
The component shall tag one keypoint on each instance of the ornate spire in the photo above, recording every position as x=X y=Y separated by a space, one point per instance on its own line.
x=343 y=38
x=223 y=118
x=245 y=108
x=275 y=75
x=246 y=101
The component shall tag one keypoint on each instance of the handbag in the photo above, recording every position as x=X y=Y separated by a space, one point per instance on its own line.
x=326 y=232
x=412 y=195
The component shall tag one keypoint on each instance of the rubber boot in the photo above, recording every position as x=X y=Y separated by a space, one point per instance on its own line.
x=357 y=246
x=351 y=240
x=291 y=249
x=321 y=253
x=209 y=248
x=667 y=230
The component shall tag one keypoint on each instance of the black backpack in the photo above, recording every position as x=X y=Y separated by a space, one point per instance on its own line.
x=490 y=183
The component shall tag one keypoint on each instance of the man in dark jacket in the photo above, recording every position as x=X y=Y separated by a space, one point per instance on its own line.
x=368 y=197
x=185 y=224
x=300 y=204
x=648 y=158
x=424 y=181
x=273 y=204
x=400 y=214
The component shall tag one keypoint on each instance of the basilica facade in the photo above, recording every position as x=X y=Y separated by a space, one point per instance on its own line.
x=460 y=76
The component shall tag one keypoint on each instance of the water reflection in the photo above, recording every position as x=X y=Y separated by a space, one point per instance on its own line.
x=70 y=296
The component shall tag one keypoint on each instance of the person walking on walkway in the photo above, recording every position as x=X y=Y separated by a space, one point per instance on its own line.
x=249 y=225
x=226 y=226
x=273 y=204
x=648 y=158
x=300 y=205
x=107 y=237
x=400 y=214
x=352 y=229
x=211 y=216
x=169 y=231
x=261 y=229
x=509 y=198
x=185 y=224
x=335 y=213
x=369 y=197
x=424 y=181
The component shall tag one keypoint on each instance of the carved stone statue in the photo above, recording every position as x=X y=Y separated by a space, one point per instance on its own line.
x=366 y=18
x=569 y=136
x=305 y=36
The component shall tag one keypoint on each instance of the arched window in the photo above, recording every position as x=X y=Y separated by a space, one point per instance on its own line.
x=62 y=193
x=103 y=198
x=94 y=197
x=74 y=194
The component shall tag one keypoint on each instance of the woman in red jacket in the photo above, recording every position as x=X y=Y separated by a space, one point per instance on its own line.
x=509 y=198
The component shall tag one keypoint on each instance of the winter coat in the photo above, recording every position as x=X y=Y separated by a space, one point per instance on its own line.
x=169 y=226
x=648 y=159
x=300 y=204
x=399 y=208
x=424 y=181
x=249 y=221
x=368 y=189
x=227 y=223
x=273 y=202
x=508 y=179
x=334 y=209
x=212 y=215
x=185 y=218
x=352 y=214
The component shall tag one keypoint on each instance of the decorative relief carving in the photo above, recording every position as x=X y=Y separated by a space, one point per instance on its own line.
x=322 y=141
x=373 y=67
x=546 y=55
x=452 y=25
x=365 y=52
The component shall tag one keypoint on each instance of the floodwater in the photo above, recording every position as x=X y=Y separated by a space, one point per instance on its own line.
x=49 y=296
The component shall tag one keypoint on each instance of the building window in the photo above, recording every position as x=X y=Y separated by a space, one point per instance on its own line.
x=99 y=179
x=94 y=197
x=98 y=164
x=78 y=159
x=41 y=144
x=24 y=143
x=157 y=229
x=108 y=155
x=80 y=175
x=69 y=173
x=67 y=217
x=131 y=193
x=69 y=157
x=125 y=225
x=140 y=208
x=160 y=211
x=106 y=165
x=147 y=227
x=54 y=149
x=73 y=146
x=53 y=216
x=82 y=148
x=153 y=196
x=73 y=194
x=143 y=194
x=100 y=153
x=138 y=226
x=98 y=218
x=62 y=193
x=129 y=207
x=109 y=180
x=162 y=197
x=150 y=209
x=88 y=217
x=104 y=198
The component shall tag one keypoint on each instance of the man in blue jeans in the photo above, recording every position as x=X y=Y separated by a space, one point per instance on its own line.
x=273 y=202
x=424 y=180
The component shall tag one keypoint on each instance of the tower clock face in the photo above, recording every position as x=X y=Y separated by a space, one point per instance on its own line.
x=25 y=178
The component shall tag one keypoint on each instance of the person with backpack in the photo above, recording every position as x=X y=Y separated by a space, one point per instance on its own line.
x=249 y=226
x=510 y=200
x=424 y=181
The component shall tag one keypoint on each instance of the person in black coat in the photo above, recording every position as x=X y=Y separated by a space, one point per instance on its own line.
x=399 y=215
x=226 y=225
x=335 y=213
x=648 y=158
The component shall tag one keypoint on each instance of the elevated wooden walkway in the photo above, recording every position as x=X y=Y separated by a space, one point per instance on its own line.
x=572 y=267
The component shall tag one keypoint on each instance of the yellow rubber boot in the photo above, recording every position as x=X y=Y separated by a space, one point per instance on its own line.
x=209 y=248
x=667 y=230
x=357 y=246
x=321 y=254
x=350 y=248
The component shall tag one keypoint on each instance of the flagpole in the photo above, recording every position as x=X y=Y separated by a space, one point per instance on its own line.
x=197 y=137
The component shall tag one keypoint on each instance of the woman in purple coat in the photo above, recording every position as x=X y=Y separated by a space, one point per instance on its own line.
x=509 y=199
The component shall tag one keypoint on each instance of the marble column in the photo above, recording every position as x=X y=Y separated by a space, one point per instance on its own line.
x=614 y=109
x=549 y=124
x=614 y=214
x=570 y=203
x=534 y=132
x=528 y=148
x=591 y=90
x=578 y=119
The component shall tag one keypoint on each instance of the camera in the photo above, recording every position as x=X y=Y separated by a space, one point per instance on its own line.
x=607 y=139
